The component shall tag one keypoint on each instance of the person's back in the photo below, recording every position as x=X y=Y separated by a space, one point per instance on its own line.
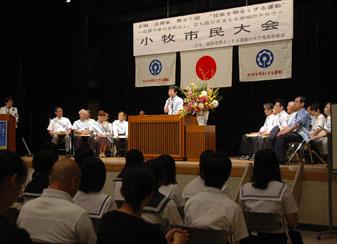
x=13 y=173
x=54 y=217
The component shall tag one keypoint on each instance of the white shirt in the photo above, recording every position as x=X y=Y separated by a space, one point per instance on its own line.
x=327 y=124
x=101 y=128
x=168 y=216
x=82 y=125
x=317 y=121
x=120 y=129
x=54 y=218
x=97 y=204
x=173 y=192
x=269 y=124
x=59 y=125
x=12 y=111
x=214 y=210
x=174 y=105
x=291 y=119
x=281 y=119
x=116 y=189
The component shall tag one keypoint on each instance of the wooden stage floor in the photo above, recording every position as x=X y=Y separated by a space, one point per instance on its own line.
x=316 y=172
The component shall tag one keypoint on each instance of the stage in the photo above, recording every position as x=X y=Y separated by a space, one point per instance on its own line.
x=315 y=172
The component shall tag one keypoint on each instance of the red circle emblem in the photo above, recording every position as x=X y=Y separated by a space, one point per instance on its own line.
x=205 y=68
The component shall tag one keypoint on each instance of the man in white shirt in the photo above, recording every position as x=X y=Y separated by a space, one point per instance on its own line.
x=249 y=142
x=53 y=217
x=83 y=131
x=291 y=110
x=174 y=104
x=9 y=109
x=318 y=119
x=120 y=134
x=211 y=208
x=281 y=116
x=60 y=127
x=321 y=136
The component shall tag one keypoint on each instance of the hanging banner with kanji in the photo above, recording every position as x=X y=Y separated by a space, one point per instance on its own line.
x=156 y=70
x=265 y=61
x=214 y=66
x=266 y=22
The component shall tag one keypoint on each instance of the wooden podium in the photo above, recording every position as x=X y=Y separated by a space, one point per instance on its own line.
x=154 y=135
x=7 y=132
x=199 y=139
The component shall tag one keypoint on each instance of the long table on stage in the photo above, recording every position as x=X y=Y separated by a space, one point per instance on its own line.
x=159 y=134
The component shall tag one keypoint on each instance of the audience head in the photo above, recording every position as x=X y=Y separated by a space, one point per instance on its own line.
x=172 y=91
x=217 y=170
x=290 y=107
x=58 y=112
x=93 y=175
x=266 y=169
x=65 y=176
x=44 y=160
x=9 y=101
x=82 y=153
x=278 y=106
x=121 y=116
x=202 y=161
x=300 y=102
x=132 y=157
x=51 y=146
x=83 y=114
x=169 y=166
x=158 y=171
x=138 y=186
x=315 y=109
x=13 y=173
x=327 y=109
x=268 y=108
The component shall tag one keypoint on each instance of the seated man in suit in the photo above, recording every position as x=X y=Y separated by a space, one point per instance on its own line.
x=249 y=141
x=296 y=132
x=60 y=127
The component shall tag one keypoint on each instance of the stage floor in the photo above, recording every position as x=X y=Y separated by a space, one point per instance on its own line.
x=315 y=172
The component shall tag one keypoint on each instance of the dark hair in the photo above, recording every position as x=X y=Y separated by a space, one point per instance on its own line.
x=57 y=107
x=138 y=183
x=281 y=102
x=12 y=164
x=44 y=160
x=203 y=160
x=49 y=145
x=158 y=171
x=7 y=99
x=268 y=106
x=169 y=166
x=93 y=175
x=173 y=87
x=132 y=157
x=266 y=169
x=303 y=100
x=217 y=170
x=315 y=107
x=101 y=113
x=82 y=153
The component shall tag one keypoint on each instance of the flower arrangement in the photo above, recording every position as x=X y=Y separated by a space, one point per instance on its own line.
x=199 y=98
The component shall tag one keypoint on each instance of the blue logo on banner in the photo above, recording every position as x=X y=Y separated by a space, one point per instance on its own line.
x=155 y=67
x=264 y=58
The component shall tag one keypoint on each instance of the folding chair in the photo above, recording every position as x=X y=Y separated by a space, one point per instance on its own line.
x=299 y=149
x=208 y=236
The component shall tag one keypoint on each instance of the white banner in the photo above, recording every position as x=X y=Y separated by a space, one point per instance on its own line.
x=156 y=70
x=265 y=61
x=264 y=22
x=211 y=65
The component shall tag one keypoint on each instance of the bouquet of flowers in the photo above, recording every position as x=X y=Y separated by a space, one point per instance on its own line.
x=199 y=98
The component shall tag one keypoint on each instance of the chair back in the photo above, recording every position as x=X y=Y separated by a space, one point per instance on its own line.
x=263 y=222
x=208 y=236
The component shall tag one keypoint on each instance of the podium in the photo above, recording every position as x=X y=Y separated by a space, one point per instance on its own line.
x=154 y=135
x=7 y=132
x=199 y=139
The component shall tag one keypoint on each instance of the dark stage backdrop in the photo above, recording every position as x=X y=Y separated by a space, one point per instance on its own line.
x=80 y=54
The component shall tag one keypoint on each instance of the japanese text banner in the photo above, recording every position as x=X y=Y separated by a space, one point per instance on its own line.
x=258 y=23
